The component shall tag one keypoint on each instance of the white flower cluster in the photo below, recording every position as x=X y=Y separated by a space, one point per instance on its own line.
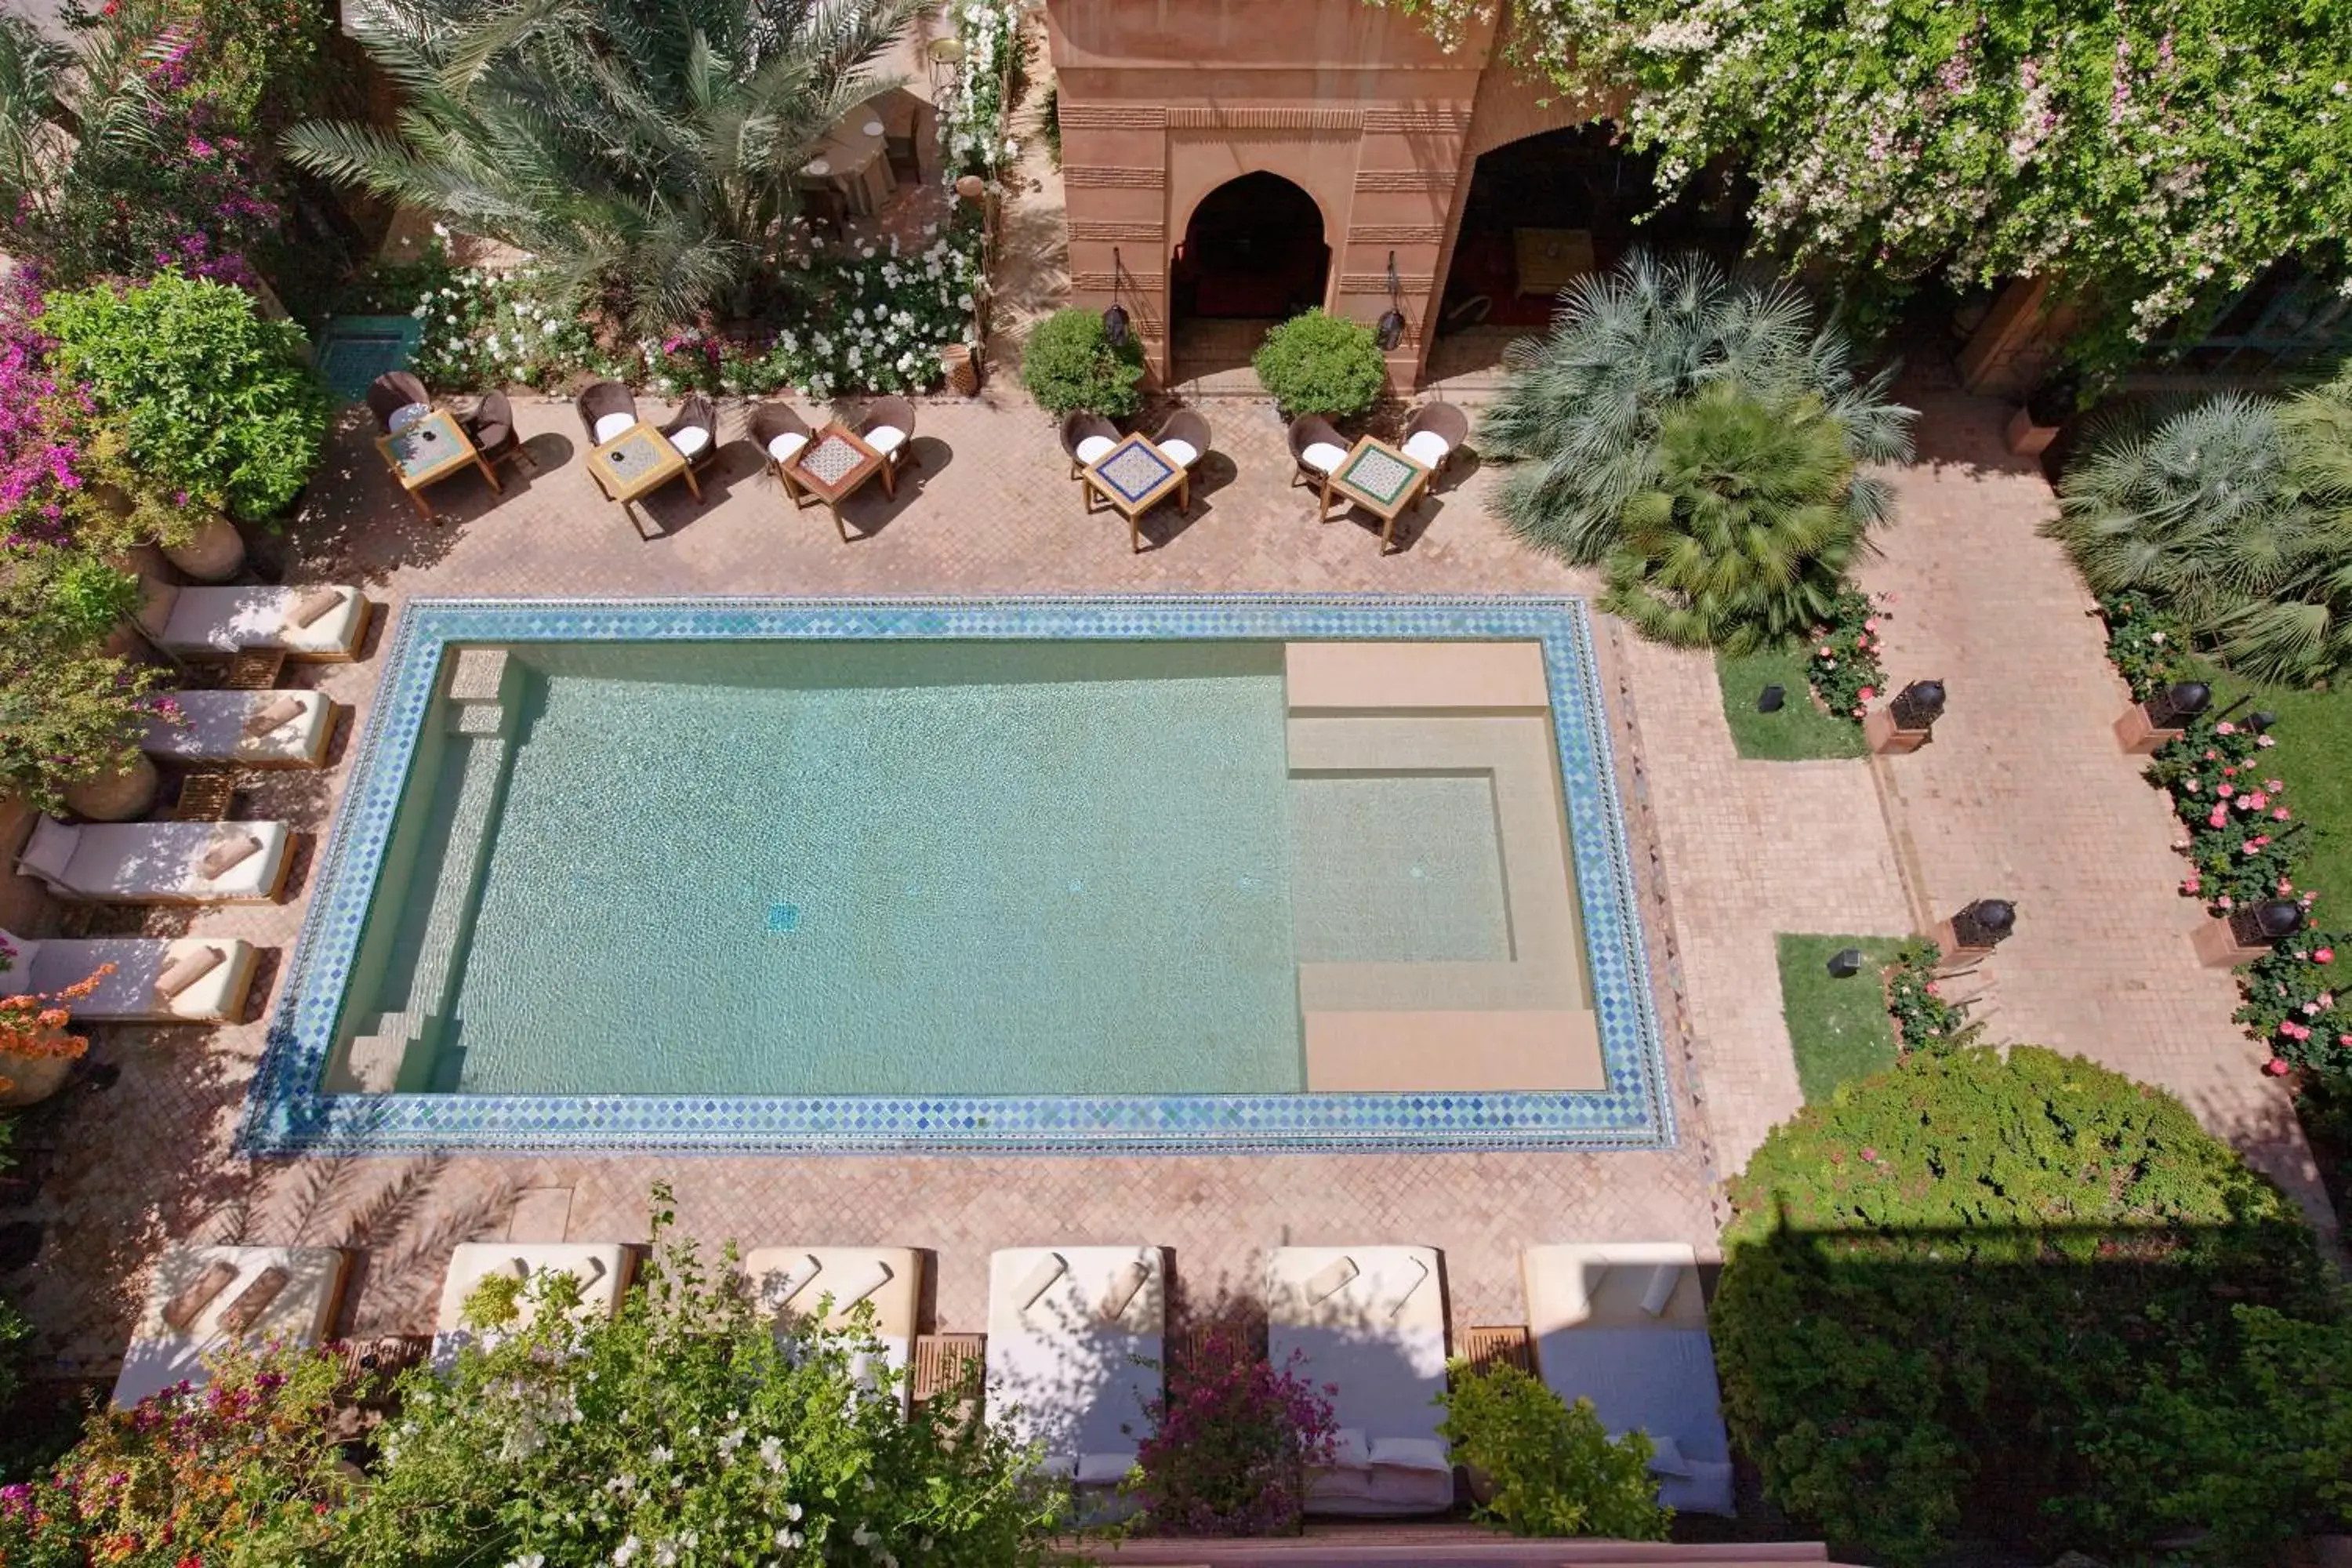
x=972 y=107
x=888 y=319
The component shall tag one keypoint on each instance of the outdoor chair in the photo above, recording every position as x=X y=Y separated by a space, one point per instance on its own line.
x=390 y=393
x=695 y=431
x=491 y=428
x=606 y=410
x=1316 y=450
x=1184 y=436
x=1434 y=433
x=888 y=428
x=781 y=435
x=1085 y=439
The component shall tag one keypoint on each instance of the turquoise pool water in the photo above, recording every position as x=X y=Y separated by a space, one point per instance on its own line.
x=855 y=868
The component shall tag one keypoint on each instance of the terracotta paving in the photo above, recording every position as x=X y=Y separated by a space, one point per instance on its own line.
x=1729 y=853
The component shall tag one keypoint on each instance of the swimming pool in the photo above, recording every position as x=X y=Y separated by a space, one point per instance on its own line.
x=1020 y=874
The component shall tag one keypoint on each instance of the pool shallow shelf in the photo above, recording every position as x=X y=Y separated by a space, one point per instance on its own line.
x=1018 y=873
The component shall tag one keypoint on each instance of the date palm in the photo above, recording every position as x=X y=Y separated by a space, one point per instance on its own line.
x=1744 y=540
x=644 y=155
x=1579 y=419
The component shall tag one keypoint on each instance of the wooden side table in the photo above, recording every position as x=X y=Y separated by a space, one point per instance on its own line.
x=428 y=451
x=205 y=796
x=256 y=670
x=1380 y=480
x=1134 y=477
x=636 y=462
x=835 y=465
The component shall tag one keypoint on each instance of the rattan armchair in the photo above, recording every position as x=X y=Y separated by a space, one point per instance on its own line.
x=1445 y=423
x=1314 y=430
x=1079 y=428
x=491 y=428
x=601 y=399
x=776 y=429
x=390 y=393
x=697 y=417
x=888 y=427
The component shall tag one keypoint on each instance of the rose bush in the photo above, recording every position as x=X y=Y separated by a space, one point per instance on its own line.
x=1844 y=669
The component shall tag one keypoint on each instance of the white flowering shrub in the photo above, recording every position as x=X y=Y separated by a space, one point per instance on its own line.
x=973 y=111
x=686 y=1431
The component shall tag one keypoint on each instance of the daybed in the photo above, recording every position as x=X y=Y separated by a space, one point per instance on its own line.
x=255 y=729
x=603 y=1270
x=160 y=862
x=202 y=1300
x=319 y=624
x=186 y=980
x=1076 y=1338
x=791 y=1281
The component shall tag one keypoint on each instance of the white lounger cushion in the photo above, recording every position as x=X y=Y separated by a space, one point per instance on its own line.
x=211 y=728
x=1427 y=448
x=199 y=621
x=127 y=995
x=155 y=862
x=1379 y=1338
x=603 y=1270
x=611 y=424
x=791 y=1280
x=301 y=1313
x=1093 y=449
x=1324 y=456
x=1073 y=1376
x=1612 y=1284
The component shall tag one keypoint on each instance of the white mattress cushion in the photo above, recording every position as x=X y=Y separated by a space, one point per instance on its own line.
x=225 y=620
x=1092 y=448
x=212 y=728
x=1427 y=448
x=1324 y=456
x=1181 y=453
x=691 y=441
x=1410 y=1453
x=787 y=447
x=301 y=1313
x=129 y=994
x=50 y=849
x=611 y=424
x=885 y=439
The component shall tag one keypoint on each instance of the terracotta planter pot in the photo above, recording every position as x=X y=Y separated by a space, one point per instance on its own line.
x=118 y=796
x=31 y=1080
x=2026 y=438
x=963 y=367
x=214 y=555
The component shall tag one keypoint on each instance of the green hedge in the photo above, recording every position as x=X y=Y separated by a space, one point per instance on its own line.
x=1320 y=364
x=1069 y=367
x=1980 y=1294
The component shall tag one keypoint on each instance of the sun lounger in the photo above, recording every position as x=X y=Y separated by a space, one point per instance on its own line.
x=189 y=979
x=256 y=729
x=1624 y=1325
x=603 y=1270
x=1067 y=1329
x=1371 y=1321
x=160 y=862
x=320 y=623
x=790 y=1281
x=202 y=1300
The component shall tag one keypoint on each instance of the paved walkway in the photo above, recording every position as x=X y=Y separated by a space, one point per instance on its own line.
x=1730 y=851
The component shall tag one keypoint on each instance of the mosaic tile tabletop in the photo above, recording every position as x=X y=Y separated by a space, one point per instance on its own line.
x=831 y=460
x=634 y=454
x=1135 y=471
x=1379 y=475
x=426 y=445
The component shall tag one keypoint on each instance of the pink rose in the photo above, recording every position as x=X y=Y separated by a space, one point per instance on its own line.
x=2277 y=1067
x=1867 y=692
x=2225 y=728
x=2281 y=814
x=2226 y=790
x=2224 y=901
x=2324 y=955
x=2264 y=740
x=1871 y=624
x=2191 y=785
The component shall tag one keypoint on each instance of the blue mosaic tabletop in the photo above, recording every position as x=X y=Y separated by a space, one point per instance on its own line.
x=1135 y=469
x=289 y=1111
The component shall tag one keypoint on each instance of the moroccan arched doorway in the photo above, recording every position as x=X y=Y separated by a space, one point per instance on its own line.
x=1253 y=254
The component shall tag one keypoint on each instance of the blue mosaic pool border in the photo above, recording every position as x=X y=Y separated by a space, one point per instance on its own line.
x=289 y=1113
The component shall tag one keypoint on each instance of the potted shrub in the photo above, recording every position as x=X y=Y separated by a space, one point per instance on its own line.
x=71 y=715
x=2037 y=421
x=36 y=1052
x=1316 y=363
x=1070 y=366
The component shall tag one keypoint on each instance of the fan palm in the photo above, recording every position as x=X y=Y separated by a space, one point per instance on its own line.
x=1582 y=409
x=644 y=155
x=1744 y=540
x=2235 y=513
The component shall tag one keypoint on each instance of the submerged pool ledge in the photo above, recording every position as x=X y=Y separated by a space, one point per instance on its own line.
x=289 y=1110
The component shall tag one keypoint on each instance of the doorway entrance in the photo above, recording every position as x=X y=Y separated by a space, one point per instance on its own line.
x=1253 y=255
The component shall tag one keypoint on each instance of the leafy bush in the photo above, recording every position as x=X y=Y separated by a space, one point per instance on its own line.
x=1555 y=1470
x=1844 y=669
x=1068 y=365
x=1955 y=1289
x=1924 y=1020
x=215 y=401
x=68 y=711
x=1578 y=418
x=1230 y=1443
x=1320 y=364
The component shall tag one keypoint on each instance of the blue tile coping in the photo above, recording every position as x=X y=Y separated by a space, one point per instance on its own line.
x=288 y=1111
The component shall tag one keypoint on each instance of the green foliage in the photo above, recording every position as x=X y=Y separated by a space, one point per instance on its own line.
x=647 y=160
x=1844 y=671
x=1799 y=729
x=88 y=595
x=1924 y=1020
x=1320 y=364
x=2235 y=516
x=1068 y=364
x=1556 y=1471
x=1839 y=1029
x=2155 y=158
x=68 y=711
x=217 y=402
x=14 y=1328
x=1952 y=1291
x=1744 y=541
x=1049 y=123
x=1580 y=417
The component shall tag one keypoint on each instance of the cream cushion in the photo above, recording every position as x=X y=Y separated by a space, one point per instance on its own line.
x=885 y=439
x=214 y=727
x=1091 y=449
x=1427 y=448
x=1379 y=1337
x=787 y=447
x=691 y=441
x=611 y=424
x=1059 y=1375
x=228 y=620
x=603 y=1270
x=791 y=1280
x=128 y=995
x=1324 y=456
x=301 y=1314
x=1181 y=453
x=160 y=862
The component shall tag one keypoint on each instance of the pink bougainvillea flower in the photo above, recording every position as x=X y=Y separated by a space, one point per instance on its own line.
x=1867 y=692
x=2226 y=790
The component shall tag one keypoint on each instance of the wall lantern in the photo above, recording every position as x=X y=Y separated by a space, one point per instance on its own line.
x=1391 y=330
x=1114 y=319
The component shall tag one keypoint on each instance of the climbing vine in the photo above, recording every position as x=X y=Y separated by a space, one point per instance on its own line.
x=2155 y=155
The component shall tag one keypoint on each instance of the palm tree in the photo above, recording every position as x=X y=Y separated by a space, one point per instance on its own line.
x=1582 y=409
x=58 y=105
x=2235 y=514
x=1744 y=541
x=642 y=154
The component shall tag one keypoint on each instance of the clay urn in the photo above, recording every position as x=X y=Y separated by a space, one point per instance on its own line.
x=214 y=555
x=116 y=796
x=28 y=1078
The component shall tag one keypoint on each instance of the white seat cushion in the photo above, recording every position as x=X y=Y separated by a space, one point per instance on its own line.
x=1181 y=453
x=1092 y=448
x=691 y=441
x=405 y=415
x=1427 y=448
x=885 y=439
x=1324 y=456
x=612 y=424
x=787 y=447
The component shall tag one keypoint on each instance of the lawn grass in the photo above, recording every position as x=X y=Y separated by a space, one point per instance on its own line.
x=1839 y=1028
x=1800 y=731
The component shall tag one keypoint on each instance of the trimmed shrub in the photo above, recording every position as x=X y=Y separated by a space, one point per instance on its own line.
x=1979 y=1287
x=1231 y=1442
x=1069 y=367
x=1555 y=1470
x=1320 y=364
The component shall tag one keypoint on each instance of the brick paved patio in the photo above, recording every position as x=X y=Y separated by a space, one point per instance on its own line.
x=1730 y=852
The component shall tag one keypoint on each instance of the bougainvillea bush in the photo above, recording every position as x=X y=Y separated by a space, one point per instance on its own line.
x=1232 y=1438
